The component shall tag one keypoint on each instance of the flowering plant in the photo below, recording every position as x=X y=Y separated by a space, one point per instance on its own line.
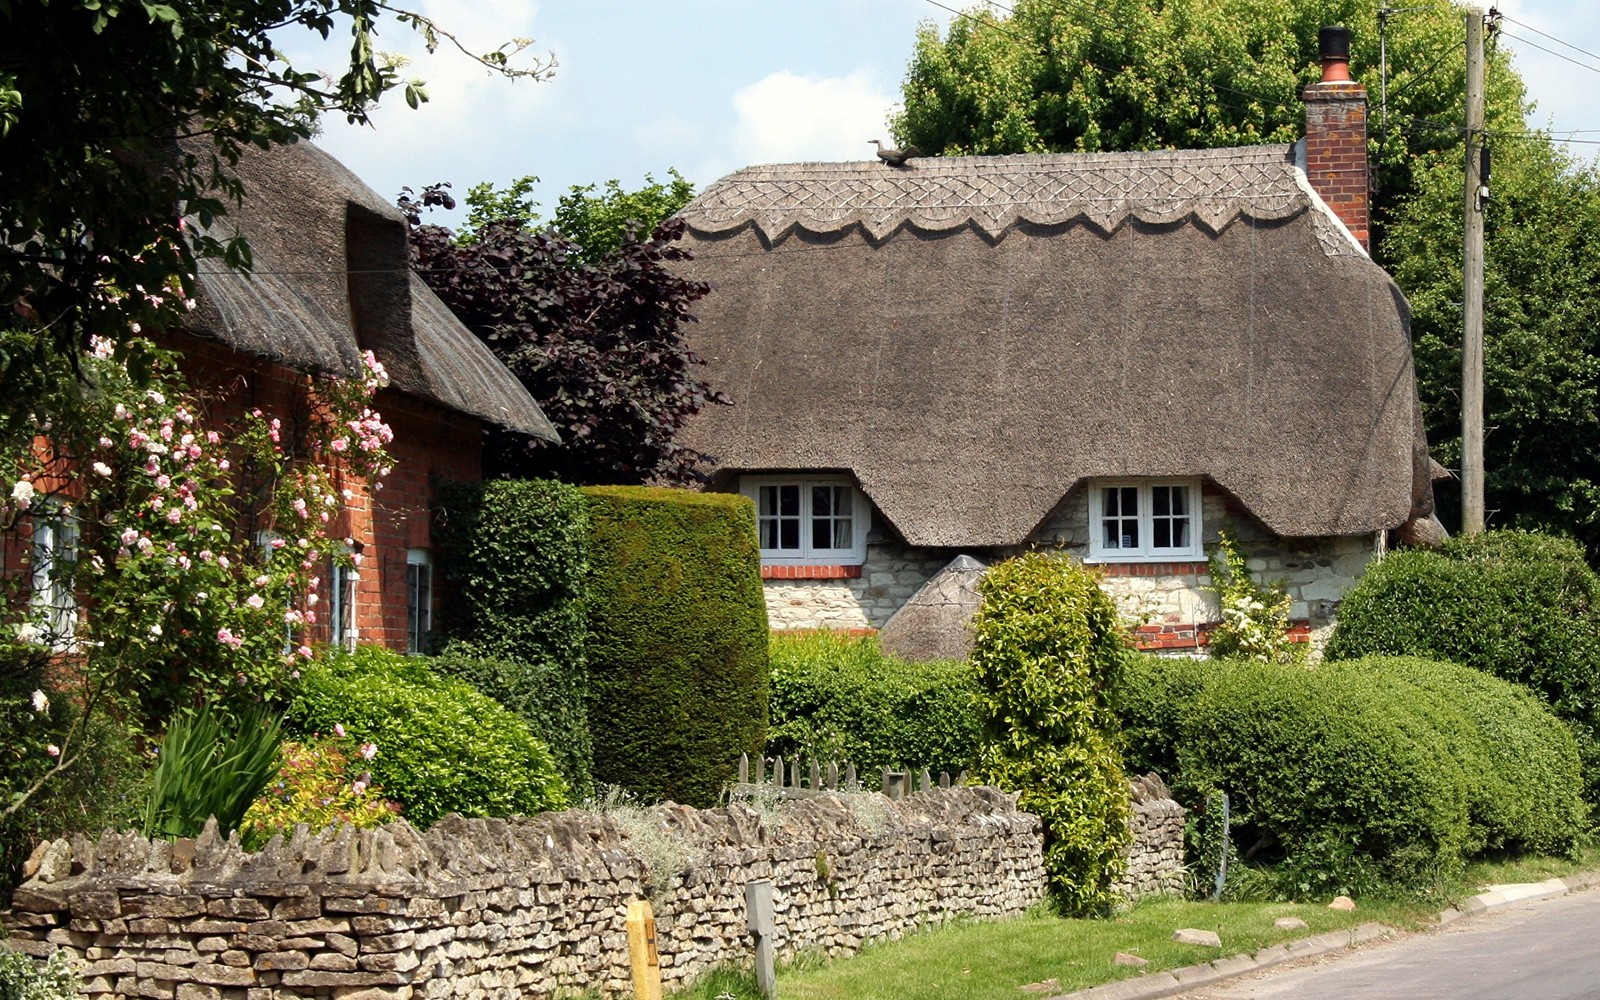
x=314 y=786
x=1255 y=616
x=177 y=557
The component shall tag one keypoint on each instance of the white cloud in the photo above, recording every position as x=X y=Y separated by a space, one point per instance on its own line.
x=788 y=117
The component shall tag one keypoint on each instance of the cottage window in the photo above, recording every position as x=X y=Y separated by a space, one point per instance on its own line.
x=1147 y=519
x=816 y=520
x=342 y=584
x=419 y=598
x=55 y=560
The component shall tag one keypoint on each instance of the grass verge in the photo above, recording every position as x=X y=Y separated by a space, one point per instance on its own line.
x=990 y=960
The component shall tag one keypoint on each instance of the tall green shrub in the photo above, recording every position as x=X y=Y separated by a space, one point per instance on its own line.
x=1522 y=606
x=1048 y=650
x=437 y=745
x=677 y=640
x=842 y=697
x=514 y=557
x=212 y=764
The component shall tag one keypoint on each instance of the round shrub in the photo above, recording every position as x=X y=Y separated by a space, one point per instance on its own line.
x=1331 y=775
x=843 y=698
x=1522 y=606
x=548 y=697
x=441 y=747
x=1363 y=775
x=1047 y=651
x=677 y=640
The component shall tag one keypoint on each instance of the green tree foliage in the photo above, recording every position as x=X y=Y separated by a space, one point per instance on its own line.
x=515 y=557
x=603 y=220
x=599 y=344
x=837 y=697
x=92 y=95
x=434 y=744
x=1129 y=75
x=1541 y=330
x=677 y=640
x=1048 y=651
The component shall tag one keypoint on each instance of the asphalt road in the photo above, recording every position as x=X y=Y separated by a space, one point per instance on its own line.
x=1548 y=950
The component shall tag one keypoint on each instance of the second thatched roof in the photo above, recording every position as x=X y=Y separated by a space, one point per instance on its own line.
x=973 y=336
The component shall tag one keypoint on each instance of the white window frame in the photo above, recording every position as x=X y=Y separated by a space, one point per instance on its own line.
x=1146 y=551
x=55 y=540
x=419 y=598
x=343 y=584
x=807 y=555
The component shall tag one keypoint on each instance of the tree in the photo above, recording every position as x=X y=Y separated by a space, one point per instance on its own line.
x=1195 y=73
x=597 y=341
x=1184 y=74
x=597 y=220
x=93 y=95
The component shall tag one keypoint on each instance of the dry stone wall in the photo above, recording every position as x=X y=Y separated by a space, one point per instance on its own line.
x=1155 y=857
x=481 y=909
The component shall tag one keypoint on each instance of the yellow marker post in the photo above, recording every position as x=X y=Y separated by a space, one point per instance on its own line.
x=642 y=951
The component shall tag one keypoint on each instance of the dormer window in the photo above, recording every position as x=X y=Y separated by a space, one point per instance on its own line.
x=1144 y=519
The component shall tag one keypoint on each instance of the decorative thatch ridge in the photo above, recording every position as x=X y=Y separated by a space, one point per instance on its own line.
x=1214 y=187
x=971 y=337
x=331 y=278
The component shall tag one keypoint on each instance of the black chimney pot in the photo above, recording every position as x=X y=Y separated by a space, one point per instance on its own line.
x=1334 y=43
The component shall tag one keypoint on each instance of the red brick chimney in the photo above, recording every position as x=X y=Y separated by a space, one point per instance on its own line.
x=1336 y=136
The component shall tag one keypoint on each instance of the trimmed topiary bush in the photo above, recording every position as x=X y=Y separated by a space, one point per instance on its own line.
x=1363 y=776
x=841 y=697
x=438 y=746
x=1522 y=606
x=1048 y=650
x=514 y=558
x=677 y=640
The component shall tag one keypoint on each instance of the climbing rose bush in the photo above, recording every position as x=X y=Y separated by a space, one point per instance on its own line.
x=185 y=554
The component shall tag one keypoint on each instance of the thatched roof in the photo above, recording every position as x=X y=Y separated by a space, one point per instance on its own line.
x=330 y=279
x=972 y=336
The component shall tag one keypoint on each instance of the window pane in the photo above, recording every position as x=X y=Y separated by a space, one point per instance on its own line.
x=1108 y=500
x=1180 y=499
x=1161 y=533
x=769 y=533
x=1113 y=537
x=1160 y=501
x=842 y=499
x=788 y=534
x=821 y=501
x=1130 y=501
x=769 y=501
x=789 y=500
x=843 y=533
x=821 y=533
x=1130 y=533
x=1180 y=533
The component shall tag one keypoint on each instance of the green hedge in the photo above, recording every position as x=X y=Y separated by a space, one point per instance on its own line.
x=1522 y=606
x=513 y=555
x=1363 y=775
x=1048 y=650
x=677 y=640
x=442 y=747
x=843 y=698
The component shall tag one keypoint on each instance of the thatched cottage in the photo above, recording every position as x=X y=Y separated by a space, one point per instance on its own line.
x=332 y=279
x=1121 y=354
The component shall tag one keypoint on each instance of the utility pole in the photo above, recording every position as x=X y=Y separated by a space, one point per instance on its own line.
x=1472 y=288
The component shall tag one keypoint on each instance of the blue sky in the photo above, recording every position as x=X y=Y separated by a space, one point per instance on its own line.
x=708 y=86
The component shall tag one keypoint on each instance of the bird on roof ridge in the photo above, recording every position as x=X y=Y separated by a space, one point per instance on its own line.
x=895 y=157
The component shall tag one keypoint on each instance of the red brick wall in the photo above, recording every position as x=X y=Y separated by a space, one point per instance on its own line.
x=1336 y=152
x=430 y=443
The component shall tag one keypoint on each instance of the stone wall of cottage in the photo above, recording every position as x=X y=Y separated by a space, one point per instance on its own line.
x=892 y=572
x=1316 y=572
x=1170 y=597
x=482 y=909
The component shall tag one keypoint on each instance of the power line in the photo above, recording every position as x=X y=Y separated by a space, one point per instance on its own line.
x=1541 y=48
x=1546 y=34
